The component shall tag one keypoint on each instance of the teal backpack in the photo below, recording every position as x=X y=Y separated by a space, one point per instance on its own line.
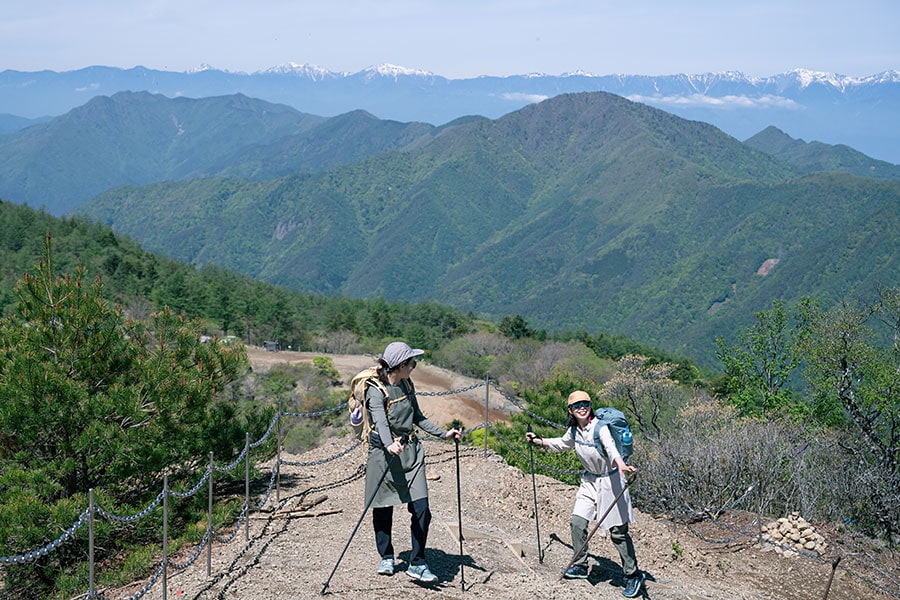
x=617 y=422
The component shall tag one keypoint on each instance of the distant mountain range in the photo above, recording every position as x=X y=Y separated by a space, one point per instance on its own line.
x=140 y=138
x=585 y=211
x=810 y=106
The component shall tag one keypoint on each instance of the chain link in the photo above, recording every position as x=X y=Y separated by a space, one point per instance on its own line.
x=194 y=556
x=140 y=593
x=452 y=392
x=317 y=413
x=194 y=489
x=35 y=554
x=518 y=404
x=237 y=527
x=272 y=479
x=237 y=461
x=268 y=432
x=134 y=517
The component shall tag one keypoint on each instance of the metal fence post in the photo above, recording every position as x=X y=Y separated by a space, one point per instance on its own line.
x=487 y=399
x=278 y=455
x=209 y=517
x=247 y=486
x=165 y=535
x=91 y=590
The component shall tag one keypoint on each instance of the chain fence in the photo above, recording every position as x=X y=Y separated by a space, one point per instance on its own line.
x=888 y=582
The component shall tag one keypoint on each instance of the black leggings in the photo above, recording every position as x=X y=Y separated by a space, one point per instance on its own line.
x=382 y=519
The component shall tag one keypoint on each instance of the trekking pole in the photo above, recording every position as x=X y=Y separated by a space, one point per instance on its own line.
x=628 y=481
x=390 y=462
x=462 y=574
x=834 y=565
x=537 y=523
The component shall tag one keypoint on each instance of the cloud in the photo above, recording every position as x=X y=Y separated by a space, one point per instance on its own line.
x=723 y=102
x=523 y=97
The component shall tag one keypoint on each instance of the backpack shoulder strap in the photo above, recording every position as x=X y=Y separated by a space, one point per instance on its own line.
x=377 y=384
x=600 y=421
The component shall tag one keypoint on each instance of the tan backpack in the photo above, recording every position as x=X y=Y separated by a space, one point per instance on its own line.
x=356 y=403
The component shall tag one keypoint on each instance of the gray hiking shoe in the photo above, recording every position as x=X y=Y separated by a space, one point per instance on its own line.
x=633 y=585
x=386 y=566
x=576 y=572
x=421 y=573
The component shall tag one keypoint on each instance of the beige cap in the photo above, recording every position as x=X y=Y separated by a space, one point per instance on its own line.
x=578 y=396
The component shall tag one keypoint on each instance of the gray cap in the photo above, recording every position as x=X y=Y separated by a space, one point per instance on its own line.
x=397 y=352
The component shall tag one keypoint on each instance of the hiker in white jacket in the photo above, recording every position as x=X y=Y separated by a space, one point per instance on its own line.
x=600 y=484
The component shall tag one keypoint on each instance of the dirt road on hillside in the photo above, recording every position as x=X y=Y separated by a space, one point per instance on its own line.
x=467 y=406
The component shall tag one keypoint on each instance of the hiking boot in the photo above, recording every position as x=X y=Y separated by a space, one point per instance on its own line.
x=576 y=572
x=633 y=585
x=386 y=566
x=421 y=573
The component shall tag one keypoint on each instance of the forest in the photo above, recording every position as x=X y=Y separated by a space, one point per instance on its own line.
x=119 y=365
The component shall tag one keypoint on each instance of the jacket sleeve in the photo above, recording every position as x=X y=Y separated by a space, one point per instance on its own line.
x=558 y=444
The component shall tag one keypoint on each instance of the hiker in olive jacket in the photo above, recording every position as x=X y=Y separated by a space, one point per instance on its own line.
x=393 y=418
x=601 y=482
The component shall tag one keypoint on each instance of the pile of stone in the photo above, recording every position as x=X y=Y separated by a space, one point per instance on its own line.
x=789 y=536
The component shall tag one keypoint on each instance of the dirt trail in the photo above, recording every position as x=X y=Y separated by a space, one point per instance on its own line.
x=292 y=550
x=294 y=543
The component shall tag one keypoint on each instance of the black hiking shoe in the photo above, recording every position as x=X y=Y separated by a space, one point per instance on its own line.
x=576 y=572
x=634 y=584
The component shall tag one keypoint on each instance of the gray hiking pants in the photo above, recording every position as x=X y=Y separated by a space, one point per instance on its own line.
x=619 y=537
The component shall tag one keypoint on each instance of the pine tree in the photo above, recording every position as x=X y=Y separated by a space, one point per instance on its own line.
x=92 y=399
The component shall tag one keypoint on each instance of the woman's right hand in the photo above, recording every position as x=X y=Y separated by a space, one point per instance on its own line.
x=396 y=448
x=533 y=438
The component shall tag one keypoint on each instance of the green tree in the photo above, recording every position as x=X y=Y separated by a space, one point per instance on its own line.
x=91 y=399
x=853 y=353
x=759 y=366
x=515 y=327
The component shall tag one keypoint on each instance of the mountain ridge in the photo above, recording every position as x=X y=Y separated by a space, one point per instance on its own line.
x=136 y=138
x=806 y=104
x=586 y=211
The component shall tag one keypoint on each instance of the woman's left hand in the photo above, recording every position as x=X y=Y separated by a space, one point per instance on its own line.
x=453 y=433
x=623 y=467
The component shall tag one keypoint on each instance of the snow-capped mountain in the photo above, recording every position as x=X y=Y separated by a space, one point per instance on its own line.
x=860 y=112
x=313 y=72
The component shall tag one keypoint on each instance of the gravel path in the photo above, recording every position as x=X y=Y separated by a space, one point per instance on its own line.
x=292 y=550
x=294 y=543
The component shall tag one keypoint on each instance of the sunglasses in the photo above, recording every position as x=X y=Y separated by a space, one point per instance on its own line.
x=580 y=405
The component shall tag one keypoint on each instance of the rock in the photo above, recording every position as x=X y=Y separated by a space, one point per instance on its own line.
x=795 y=531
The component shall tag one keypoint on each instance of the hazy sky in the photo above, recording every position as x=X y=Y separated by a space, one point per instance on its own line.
x=457 y=38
